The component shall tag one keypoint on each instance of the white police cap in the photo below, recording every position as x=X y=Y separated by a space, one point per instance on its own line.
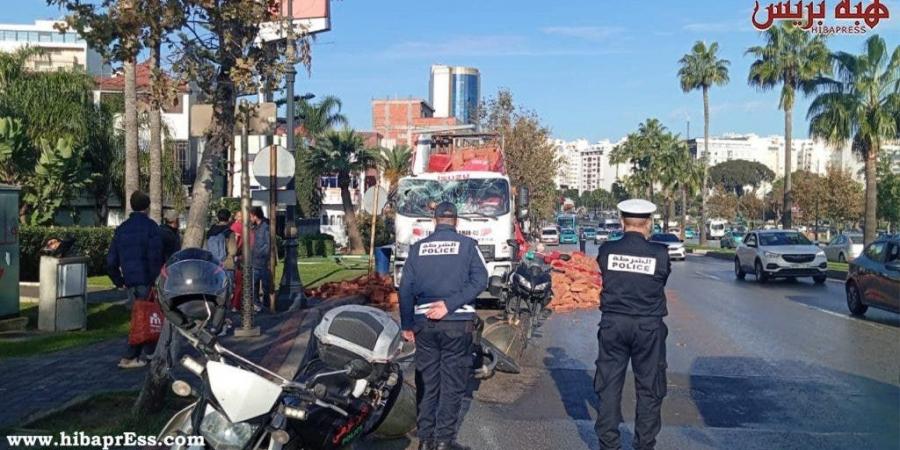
x=636 y=207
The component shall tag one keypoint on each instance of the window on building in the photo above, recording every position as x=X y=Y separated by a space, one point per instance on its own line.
x=328 y=181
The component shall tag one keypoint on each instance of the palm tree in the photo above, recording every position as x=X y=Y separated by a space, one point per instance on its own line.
x=862 y=104
x=343 y=153
x=640 y=150
x=671 y=162
x=395 y=163
x=795 y=59
x=131 y=135
x=320 y=117
x=702 y=69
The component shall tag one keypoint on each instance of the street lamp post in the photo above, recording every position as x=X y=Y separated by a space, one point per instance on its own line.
x=247 y=329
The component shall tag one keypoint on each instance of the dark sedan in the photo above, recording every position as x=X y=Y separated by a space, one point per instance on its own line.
x=874 y=277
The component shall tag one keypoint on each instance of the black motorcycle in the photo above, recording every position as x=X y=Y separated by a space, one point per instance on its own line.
x=530 y=292
x=347 y=388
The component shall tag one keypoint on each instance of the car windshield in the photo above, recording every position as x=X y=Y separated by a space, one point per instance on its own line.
x=664 y=237
x=568 y=231
x=590 y=230
x=717 y=226
x=485 y=197
x=549 y=232
x=771 y=239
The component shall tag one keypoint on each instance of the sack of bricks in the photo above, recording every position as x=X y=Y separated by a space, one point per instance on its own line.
x=576 y=283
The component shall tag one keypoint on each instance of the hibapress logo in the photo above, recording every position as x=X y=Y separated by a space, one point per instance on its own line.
x=102 y=442
x=846 y=17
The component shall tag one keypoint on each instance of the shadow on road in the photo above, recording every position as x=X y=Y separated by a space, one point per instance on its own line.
x=572 y=379
x=794 y=401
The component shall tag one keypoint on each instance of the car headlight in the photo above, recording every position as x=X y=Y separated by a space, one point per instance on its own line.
x=221 y=434
x=820 y=253
x=521 y=280
x=771 y=255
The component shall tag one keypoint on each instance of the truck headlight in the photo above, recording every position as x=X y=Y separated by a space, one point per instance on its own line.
x=401 y=250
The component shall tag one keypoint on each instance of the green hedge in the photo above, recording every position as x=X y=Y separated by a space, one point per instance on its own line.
x=92 y=242
x=315 y=245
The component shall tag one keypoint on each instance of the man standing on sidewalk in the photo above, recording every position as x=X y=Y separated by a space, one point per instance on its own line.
x=168 y=231
x=260 y=259
x=133 y=262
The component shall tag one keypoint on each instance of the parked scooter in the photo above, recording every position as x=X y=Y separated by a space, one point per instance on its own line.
x=346 y=389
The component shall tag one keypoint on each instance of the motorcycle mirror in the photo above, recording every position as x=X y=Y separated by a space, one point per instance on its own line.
x=565 y=257
x=358 y=368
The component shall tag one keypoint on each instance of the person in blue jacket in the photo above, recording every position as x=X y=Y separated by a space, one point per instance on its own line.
x=133 y=263
x=443 y=275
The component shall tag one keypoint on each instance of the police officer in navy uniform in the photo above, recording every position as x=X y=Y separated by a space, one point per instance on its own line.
x=443 y=275
x=633 y=303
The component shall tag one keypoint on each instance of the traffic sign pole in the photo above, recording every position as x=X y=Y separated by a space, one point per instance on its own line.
x=273 y=215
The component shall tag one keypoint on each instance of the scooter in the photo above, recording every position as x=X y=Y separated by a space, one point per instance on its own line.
x=347 y=388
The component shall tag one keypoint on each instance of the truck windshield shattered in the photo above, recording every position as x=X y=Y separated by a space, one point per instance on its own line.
x=485 y=197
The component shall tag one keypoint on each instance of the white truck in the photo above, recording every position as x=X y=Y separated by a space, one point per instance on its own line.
x=483 y=199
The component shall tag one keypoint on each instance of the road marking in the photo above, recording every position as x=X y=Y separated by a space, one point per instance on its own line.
x=708 y=275
x=844 y=316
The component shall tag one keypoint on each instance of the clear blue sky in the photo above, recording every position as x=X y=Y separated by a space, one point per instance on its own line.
x=589 y=68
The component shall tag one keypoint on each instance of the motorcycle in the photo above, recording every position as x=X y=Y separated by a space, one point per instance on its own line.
x=346 y=389
x=524 y=295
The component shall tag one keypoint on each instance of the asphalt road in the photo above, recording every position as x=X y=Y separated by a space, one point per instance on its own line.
x=776 y=366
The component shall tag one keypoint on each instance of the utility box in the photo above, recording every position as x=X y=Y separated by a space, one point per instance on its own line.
x=9 y=251
x=63 y=293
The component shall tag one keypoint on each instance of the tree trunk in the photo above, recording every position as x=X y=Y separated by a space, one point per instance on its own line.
x=132 y=173
x=787 y=212
x=356 y=243
x=156 y=198
x=871 y=217
x=705 y=188
x=219 y=138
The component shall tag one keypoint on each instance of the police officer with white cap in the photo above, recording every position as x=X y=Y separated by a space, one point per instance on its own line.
x=633 y=303
x=443 y=275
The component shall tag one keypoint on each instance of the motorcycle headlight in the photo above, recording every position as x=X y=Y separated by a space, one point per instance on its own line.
x=221 y=434
x=770 y=255
x=542 y=286
x=521 y=280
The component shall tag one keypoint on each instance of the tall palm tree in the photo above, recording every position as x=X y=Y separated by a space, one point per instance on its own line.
x=862 y=104
x=671 y=162
x=320 y=117
x=131 y=135
x=702 y=69
x=343 y=153
x=795 y=59
x=395 y=163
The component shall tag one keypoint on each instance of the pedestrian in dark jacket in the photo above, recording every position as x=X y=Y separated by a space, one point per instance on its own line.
x=133 y=263
x=168 y=231
x=259 y=261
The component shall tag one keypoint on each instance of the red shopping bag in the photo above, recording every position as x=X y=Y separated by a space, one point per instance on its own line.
x=146 y=321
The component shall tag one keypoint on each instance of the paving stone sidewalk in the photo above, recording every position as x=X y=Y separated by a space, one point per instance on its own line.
x=32 y=386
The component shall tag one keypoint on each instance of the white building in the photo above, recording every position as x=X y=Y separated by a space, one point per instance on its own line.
x=807 y=154
x=58 y=50
x=585 y=166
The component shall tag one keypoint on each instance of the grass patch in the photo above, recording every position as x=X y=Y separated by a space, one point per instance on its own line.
x=107 y=414
x=104 y=321
x=313 y=271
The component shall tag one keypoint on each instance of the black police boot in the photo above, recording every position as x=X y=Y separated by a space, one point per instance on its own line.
x=450 y=445
x=426 y=444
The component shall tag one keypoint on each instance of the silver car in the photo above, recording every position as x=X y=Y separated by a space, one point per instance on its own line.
x=844 y=247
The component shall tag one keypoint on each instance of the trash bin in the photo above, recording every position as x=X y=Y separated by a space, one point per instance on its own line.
x=383 y=259
x=9 y=251
x=63 y=291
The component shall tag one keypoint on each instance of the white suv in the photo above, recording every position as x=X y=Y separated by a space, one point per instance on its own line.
x=779 y=254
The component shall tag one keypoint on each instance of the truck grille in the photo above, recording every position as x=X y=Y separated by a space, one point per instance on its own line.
x=798 y=258
x=487 y=251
